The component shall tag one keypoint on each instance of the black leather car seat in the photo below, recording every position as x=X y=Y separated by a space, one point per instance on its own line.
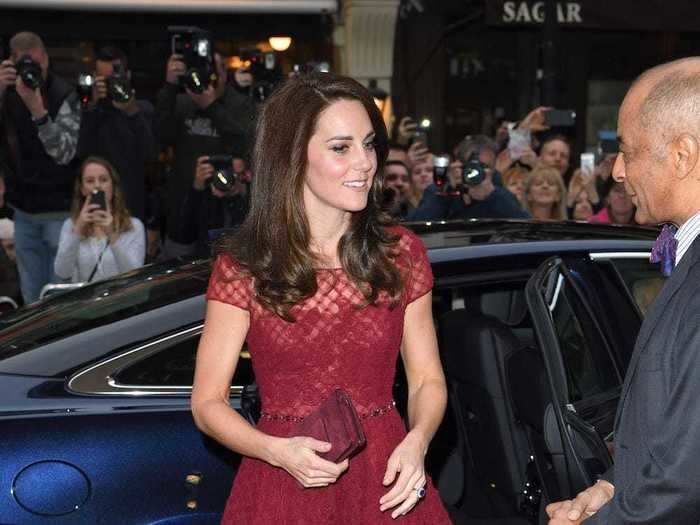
x=474 y=349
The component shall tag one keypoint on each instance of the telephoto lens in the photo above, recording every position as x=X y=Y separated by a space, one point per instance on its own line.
x=441 y=164
x=29 y=71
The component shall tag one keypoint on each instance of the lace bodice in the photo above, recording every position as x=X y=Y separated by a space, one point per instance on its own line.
x=332 y=343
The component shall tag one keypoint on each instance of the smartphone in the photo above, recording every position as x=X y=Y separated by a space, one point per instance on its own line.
x=587 y=165
x=421 y=135
x=98 y=197
x=555 y=118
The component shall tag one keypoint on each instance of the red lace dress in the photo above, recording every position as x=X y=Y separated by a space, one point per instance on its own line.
x=297 y=365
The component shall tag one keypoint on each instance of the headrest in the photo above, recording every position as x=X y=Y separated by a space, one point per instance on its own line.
x=508 y=306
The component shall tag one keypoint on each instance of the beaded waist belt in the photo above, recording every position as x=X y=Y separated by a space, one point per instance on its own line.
x=372 y=412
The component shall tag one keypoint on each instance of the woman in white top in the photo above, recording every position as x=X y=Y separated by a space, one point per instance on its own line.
x=98 y=243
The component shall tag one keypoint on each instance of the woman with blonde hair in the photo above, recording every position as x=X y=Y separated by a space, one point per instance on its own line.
x=545 y=194
x=100 y=238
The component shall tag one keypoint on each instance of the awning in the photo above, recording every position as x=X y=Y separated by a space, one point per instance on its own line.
x=634 y=15
x=183 y=6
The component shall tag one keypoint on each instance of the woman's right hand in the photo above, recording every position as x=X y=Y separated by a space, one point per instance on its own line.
x=86 y=216
x=297 y=455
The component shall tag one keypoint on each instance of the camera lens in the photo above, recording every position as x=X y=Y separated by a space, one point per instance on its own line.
x=194 y=81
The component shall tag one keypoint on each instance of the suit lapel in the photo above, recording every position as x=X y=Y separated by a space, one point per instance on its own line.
x=678 y=277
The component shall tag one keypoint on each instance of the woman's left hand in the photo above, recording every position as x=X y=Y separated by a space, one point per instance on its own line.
x=105 y=220
x=408 y=462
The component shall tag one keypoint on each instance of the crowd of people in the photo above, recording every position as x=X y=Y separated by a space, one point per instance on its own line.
x=96 y=183
x=59 y=145
x=527 y=173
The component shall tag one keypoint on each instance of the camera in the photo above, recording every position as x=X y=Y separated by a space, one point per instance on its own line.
x=311 y=67
x=195 y=46
x=29 y=71
x=224 y=178
x=119 y=85
x=473 y=170
x=441 y=164
x=265 y=71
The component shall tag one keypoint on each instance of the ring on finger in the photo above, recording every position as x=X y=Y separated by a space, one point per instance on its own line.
x=420 y=492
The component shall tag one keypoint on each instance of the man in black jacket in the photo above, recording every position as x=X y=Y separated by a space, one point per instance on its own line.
x=40 y=134
x=119 y=131
x=487 y=200
x=205 y=210
x=217 y=121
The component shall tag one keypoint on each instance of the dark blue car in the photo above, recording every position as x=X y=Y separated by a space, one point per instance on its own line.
x=536 y=322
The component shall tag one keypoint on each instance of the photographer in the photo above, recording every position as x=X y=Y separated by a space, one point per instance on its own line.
x=210 y=205
x=198 y=124
x=117 y=127
x=470 y=190
x=40 y=123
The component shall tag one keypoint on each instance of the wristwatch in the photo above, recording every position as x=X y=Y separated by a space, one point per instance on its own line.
x=41 y=120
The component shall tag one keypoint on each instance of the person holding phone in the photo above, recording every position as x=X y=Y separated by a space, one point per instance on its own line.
x=119 y=131
x=100 y=238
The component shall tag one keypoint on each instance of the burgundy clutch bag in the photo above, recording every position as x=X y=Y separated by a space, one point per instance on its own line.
x=337 y=423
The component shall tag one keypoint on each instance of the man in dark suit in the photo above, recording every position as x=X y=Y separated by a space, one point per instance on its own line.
x=656 y=476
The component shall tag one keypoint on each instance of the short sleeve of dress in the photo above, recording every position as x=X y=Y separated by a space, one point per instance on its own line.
x=420 y=274
x=228 y=284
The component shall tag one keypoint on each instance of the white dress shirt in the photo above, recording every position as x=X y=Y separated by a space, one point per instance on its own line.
x=686 y=234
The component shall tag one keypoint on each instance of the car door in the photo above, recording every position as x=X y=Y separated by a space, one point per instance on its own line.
x=583 y=368
x=127 y=450
x=193 y=471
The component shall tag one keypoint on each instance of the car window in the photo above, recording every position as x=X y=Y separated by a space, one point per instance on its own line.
x=589 y=367
x=642 y=279
x=174 y=366
x=100 y=304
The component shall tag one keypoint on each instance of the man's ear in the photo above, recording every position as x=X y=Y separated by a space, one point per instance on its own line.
x=685 y=151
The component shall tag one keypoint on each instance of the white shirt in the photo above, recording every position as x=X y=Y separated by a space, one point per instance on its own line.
x=685 y=236
x=76 y=257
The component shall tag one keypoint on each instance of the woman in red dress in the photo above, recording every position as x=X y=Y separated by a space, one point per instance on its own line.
x=327 y=292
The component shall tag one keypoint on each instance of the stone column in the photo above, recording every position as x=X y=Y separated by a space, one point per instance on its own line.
x=365 y=40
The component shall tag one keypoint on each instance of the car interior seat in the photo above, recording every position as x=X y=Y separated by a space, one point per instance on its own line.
x=531 y=397
x=474 y=349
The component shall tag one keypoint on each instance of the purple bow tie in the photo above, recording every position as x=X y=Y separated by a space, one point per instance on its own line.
x=664 y=250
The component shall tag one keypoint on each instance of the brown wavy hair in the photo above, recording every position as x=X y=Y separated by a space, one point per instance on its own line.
x=120 y=214
x=272 y=244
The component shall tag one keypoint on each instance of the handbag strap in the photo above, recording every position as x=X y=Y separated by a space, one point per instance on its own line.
x=99 y=260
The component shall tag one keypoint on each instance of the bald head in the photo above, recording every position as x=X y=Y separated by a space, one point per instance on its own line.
x=668 y=98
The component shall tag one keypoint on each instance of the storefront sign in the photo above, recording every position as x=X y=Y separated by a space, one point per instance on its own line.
x=527 y=13
x=648 y=15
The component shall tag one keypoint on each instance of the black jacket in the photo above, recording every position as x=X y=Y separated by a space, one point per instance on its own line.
x=501 y=204
x=126 y=141
x=35 y=182
x=200 y=214
x=226 y=126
